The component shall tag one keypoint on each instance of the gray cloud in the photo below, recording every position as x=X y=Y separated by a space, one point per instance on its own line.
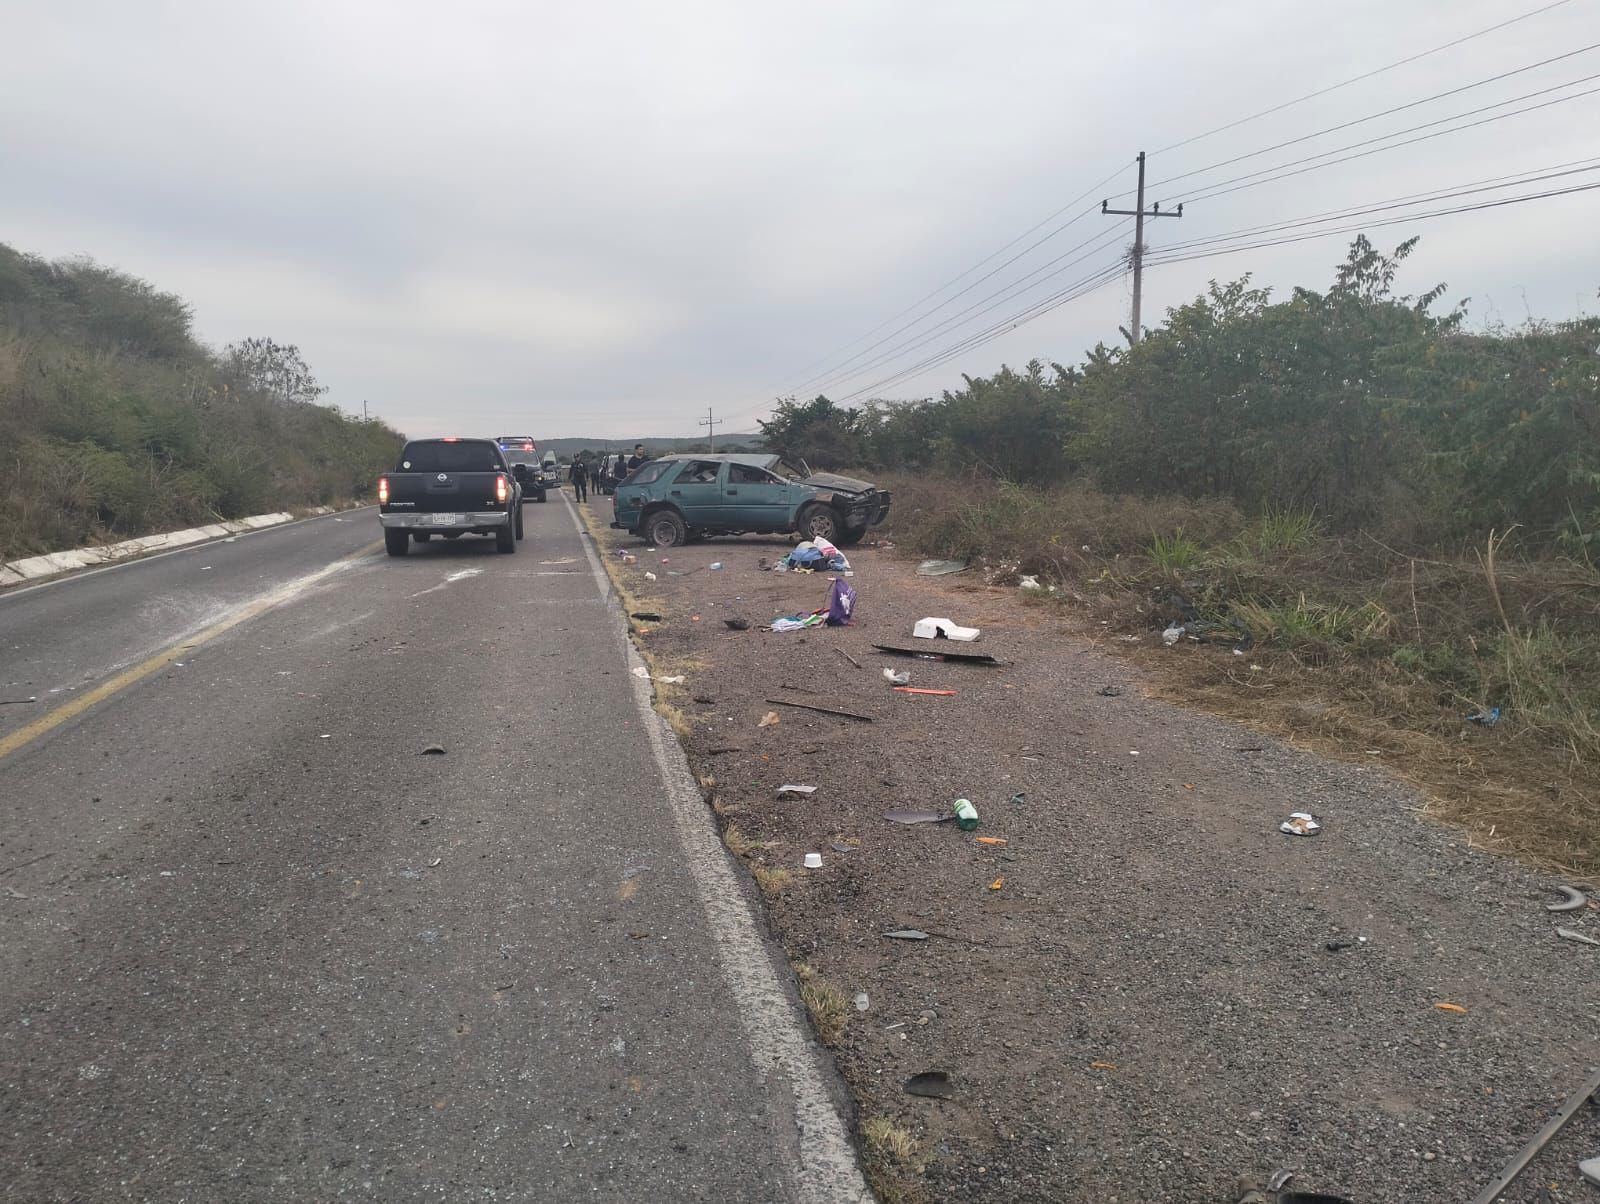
x=599 y=219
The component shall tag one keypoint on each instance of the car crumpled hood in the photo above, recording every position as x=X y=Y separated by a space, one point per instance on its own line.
x=830 y=480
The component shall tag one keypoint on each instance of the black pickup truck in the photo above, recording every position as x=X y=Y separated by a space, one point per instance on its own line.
x=450 y=487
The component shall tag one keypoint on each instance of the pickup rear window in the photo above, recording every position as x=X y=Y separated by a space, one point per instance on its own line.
x=439 y=455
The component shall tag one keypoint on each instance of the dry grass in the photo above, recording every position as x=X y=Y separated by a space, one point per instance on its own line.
x=886 y=1139
x=772 y=882
x=1360 y=647
x=733 y=836
x=826 y=1003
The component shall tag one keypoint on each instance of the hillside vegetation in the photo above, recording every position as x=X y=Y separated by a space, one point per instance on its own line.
x=119 y=422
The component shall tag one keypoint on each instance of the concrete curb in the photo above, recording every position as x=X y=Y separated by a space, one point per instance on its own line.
x=39 y=568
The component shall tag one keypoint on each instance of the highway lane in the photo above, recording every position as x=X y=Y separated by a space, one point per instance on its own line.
x=258 y=948
x=61 y=636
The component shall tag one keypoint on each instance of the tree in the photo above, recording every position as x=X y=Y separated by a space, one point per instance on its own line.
x=276 y=370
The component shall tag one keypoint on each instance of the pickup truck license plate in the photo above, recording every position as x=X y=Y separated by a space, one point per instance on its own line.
x=447 y=520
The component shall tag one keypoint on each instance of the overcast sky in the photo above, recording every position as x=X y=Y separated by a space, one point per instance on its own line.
x=602 y=218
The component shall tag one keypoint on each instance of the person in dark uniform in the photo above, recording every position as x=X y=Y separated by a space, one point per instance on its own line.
x=579 y=475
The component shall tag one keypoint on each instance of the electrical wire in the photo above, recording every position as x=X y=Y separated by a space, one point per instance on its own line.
x=993 y=301
x=1160 y=258
x=1253 y=179
x=1356 y=79
x=1087 y=192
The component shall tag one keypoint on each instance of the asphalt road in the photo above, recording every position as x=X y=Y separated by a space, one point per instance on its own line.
x=257 y=947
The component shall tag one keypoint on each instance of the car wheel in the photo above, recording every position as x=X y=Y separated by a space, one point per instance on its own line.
x=422 y=536
x=850 y=536
x=519 y=522
x=539 y=497
x=665 y=529
x=396 y=540
x=505 y=537
x=819 y=522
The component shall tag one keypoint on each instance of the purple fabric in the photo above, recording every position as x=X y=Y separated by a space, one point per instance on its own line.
x=841 y=603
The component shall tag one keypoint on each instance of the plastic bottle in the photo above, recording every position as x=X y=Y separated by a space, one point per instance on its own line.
x=966 y=815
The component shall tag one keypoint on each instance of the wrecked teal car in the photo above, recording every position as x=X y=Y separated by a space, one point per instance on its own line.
x=676 y=498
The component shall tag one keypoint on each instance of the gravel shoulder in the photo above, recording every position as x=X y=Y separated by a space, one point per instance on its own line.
x=1147 y=992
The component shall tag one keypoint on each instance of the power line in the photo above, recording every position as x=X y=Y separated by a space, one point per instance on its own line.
x=1093 y=188
x=1393 y=221
x=711 y=424
x=993 y=301
x=1223 y=187
x=1344 y=125
x=1531 y=176
x=1356 y=79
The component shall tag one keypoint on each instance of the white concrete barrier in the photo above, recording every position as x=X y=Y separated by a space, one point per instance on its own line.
x=36 y=568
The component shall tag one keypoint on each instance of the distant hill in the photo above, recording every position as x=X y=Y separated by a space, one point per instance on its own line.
x=566 y=448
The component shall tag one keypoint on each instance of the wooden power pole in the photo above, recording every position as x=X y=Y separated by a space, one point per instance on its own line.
x=711 y=424
x=1139 y=213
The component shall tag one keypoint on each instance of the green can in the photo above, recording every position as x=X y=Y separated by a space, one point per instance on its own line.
x=966 y=815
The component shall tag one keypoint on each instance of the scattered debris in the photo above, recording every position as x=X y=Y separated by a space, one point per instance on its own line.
x=920 y=690
x=16 y=702
x=643 y=674
x=435 y=863
x=715 y=566
x=1572 y=934
x=906 y=934
x=966 y=814
x=934 y=1084
x=943 y=629
x=802 y=706
x=1300 y=823
x=1486 y=718
x=990 y=839
x=787 y=789
x=965 y=658
x=1020 y=797
x=942 y=568
x=325 y=736
x=997 y=883
x=1171 y=636
x=1102 y=1065
x=770 y=719
x=1109 y=691
x=897 y=679
x=1525 y=1155
x=1455 y=1008
x=433 y=750
x=645 y=616
x=737 y=624
x=917 y=817
x=1589 y=1168
x=848 y=657
x=862 y=1002
x=813 y=861
x=1574 y=901
x=1336 y=946
x=1029 y=583
x=649 y=576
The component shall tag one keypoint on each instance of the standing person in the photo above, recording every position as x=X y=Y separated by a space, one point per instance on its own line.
x=637 y=458
x=579 y=474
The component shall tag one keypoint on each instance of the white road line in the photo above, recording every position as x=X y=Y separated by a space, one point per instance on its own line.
x=779 y=1045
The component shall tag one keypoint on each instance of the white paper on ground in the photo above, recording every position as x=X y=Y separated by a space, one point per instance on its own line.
x=933 y=629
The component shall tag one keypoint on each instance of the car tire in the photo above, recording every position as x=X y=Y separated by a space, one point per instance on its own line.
x=819 y=522
x=505 y=537
x=396 y=540
x=519 y=522
x=539 y=497
x=850 y=536
x=664 y=529
x=422 y=536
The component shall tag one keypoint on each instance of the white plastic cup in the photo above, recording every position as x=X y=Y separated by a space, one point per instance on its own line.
x=813 y=861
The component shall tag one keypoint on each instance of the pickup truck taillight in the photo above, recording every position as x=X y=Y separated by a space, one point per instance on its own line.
x=383 y=491
x=502 y=489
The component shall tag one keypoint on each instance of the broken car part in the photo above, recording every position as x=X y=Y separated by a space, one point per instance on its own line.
x=1574 y=901
x=1525 y=1155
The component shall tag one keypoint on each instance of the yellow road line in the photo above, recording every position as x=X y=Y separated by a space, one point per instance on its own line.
x=71 y=710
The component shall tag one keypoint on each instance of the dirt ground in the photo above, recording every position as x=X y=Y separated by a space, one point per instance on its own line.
x=1147 y=992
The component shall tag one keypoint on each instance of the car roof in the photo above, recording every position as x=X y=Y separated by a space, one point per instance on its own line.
x=758 y=459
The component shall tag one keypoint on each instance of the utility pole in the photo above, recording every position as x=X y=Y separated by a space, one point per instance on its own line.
x=365 y=417
x=1139 y=213
x=711 y=424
